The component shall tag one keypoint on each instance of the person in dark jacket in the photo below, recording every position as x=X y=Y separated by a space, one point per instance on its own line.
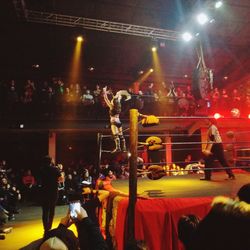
x=49 y=176
x=226 y=226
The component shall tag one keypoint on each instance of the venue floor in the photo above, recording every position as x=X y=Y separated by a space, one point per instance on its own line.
x=28 y=225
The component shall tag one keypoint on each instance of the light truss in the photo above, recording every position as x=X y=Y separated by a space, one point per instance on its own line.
x=101 y=25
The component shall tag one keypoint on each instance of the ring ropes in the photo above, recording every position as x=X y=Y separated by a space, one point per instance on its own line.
x=173 y=162
x=100 y=136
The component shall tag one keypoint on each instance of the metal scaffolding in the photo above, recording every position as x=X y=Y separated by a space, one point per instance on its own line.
x=95 y=24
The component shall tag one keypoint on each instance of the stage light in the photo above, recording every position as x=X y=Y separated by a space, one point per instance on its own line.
x=217 y=116
x=75 y=69
x=91 y=69
x=21 y=126
x=140 y=72
x=154 y=49
x=218 y=4
x=151 y=70
x=185 y=76
x=202 y=18
x=225 y=77
x=248 y=116
x=79 y=39
x=187 y=36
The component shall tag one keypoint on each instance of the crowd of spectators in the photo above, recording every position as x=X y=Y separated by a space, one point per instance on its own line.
x=10 y=194
x=10 y=197
x=55 y=99
x=22 y=185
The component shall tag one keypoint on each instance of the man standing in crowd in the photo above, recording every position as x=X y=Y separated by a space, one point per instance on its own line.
x=49 y=191
x=214 y=150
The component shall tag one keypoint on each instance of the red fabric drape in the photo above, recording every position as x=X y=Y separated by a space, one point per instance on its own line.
x=156 y=220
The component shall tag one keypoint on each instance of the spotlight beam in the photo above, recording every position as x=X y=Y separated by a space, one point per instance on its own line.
x=75 y=67
x=143 y=77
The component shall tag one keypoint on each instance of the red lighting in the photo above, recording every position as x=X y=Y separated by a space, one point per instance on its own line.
x=217 y=116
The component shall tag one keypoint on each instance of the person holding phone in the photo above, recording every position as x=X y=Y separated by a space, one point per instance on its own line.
x=74 y=206
x=89 y=235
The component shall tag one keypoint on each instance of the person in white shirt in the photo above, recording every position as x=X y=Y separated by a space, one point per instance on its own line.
x=214 y=150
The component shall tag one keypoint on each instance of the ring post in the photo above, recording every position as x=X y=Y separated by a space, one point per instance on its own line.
x=133 y=117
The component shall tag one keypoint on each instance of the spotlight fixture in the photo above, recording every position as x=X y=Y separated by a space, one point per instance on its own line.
x=91 y=69
x=79 y=39
x=217 y=116
x=154 y=45
x=202 y=18
x=151 y=70
x=154 y=48
x=140 y=72
x=187 y=36
x=218 y=4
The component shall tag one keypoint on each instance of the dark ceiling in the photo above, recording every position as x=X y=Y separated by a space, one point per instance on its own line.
x=118 y=58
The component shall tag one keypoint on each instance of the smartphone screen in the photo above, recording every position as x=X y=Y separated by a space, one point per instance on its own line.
x=73 y=207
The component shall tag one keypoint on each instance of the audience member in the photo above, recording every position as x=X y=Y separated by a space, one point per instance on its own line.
x=9 y=197
x=187 y=226
x=86 y=179
x=226 y=226
x=244 y=193
x=49 y=176
x=28 y=182
x=89 y=235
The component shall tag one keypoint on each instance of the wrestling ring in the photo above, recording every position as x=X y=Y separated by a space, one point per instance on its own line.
x=169 y=187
